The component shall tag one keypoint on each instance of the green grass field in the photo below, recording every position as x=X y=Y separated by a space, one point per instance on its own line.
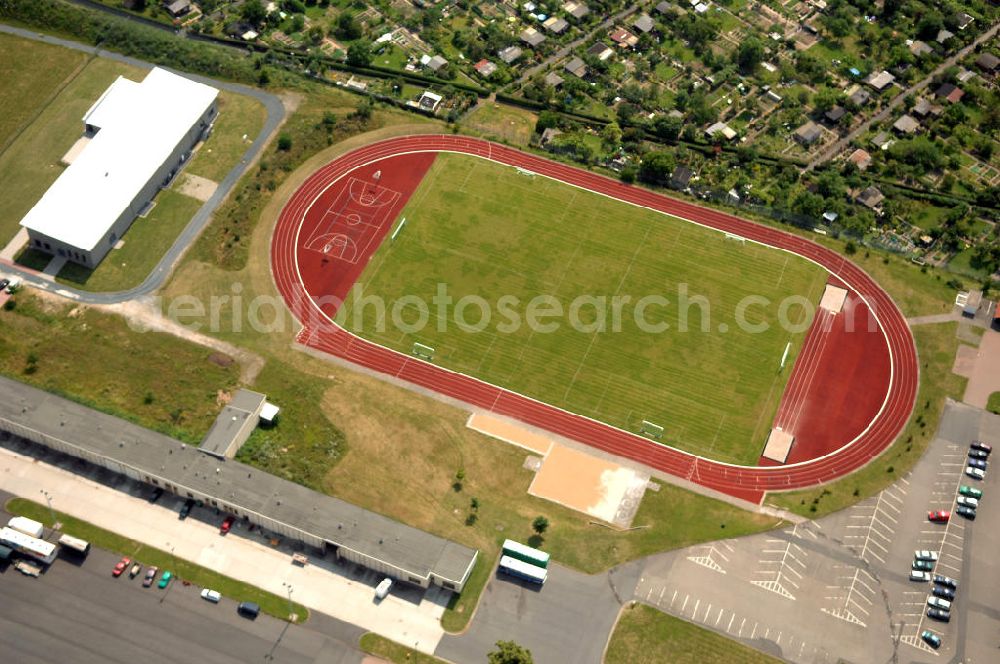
x=644 y=635
x=484 y=230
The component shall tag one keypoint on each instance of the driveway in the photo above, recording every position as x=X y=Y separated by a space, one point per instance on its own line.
x=156 y=278
x=336 y=588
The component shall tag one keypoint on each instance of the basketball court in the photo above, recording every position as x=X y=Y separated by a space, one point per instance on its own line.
x=580 y=481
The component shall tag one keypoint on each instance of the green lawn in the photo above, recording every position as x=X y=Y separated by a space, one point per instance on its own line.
x=144 y=244
x=483 y=230
x=32 y=73
x=239 y=116
x=31 y=163
x=230 y=588
x=644 y=635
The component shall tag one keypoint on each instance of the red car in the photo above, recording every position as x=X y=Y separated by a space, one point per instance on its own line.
x=227 y=525
x=939 y=516
x=121 y=566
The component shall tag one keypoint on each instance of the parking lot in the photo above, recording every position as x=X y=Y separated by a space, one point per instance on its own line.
x=838 y=588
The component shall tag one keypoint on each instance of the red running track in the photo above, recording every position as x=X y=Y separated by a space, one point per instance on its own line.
x=746 y=482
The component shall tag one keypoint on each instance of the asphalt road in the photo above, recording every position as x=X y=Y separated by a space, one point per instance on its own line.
x=156 y=278
x=81 y=614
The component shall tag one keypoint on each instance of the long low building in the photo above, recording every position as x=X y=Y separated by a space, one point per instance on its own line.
x=140 y=135
x=283 y=507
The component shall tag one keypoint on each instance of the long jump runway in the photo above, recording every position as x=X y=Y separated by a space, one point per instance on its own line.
x=361 y=194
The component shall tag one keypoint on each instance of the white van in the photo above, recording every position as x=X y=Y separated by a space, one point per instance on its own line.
x=382 y=589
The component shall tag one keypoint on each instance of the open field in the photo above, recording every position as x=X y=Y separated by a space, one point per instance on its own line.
x=501 y=122
x=32 y=73
x=31 y=163
x=144 y=244
x=485 y=231
x=936 y=348
x=153 y=379
x=147 y=555
x=644 y=635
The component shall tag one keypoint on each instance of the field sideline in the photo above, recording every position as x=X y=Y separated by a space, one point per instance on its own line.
x=714 y=392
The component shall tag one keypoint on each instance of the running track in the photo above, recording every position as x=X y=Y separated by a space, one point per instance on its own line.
x=744 y=482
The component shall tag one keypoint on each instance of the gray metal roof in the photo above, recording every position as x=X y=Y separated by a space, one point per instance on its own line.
x=239 y=485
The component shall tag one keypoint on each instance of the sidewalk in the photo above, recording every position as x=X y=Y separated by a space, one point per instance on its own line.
x=408 y=618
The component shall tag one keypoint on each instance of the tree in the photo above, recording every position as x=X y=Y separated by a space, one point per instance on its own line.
x=749 y=54
x=253 y=12
x=508 y=652
x=540 y=524
x=347 y=26
x=359 y=53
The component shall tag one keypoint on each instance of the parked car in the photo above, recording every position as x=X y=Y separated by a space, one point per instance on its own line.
x=925 y=565
x=977 y=463
x=150 y=576
x=186 y=508
x=227 y=524
x=121 y=566
x=939 y=516
x=968 y=512
x=136 y=568
x=968 y=501
x=918 y=575
x=165 y=579
x=980 y=445
x=925 y=555
x=155 y=495
x=978 y=454
x=945 y=580
x=382 y=589
x=248 y=609
x=938 y=614
x=975 y=473
x=970 y=491
x=931 y=639
x=211 y=595
x=943 y=593
x=938 y=603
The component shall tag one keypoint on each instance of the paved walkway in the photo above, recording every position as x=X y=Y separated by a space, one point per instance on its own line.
x=410 y=618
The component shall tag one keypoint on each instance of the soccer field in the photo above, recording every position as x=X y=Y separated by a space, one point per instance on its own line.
x=474 y=228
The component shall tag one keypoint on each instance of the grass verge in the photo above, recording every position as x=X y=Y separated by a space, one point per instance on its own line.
x=936 y=348
x=644 y=635
x=237 y=590
x=373 y=644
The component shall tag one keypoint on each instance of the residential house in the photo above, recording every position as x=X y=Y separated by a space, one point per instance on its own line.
x=906 y=125
x=485 y=68
x=510 y=54
x=532 y=37
x=871 y=198
x=624 y=38
x=601 y=51
x=577 y=67
x=881 y=80
x=643 y=23
x=808 y=133
x=555 y=25
x=861 y=159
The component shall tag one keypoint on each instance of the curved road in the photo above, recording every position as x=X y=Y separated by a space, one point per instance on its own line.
x=740 y=481
x=156 y=278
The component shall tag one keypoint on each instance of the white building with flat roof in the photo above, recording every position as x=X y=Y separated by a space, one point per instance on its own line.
x=140 y=135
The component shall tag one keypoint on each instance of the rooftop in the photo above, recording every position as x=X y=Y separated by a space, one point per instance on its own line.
x=140 y=125
x=236 y=484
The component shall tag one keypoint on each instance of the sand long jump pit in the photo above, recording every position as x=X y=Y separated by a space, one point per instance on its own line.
x=583 y=482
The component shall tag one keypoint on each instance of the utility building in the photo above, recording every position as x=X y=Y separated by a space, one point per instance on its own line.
x=139 y=136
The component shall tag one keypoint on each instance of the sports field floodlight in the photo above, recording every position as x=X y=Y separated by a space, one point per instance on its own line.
x=423 y=351
x=654 y=431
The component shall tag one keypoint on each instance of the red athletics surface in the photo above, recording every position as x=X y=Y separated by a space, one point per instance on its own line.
x=838 y=382
x=745 y=482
